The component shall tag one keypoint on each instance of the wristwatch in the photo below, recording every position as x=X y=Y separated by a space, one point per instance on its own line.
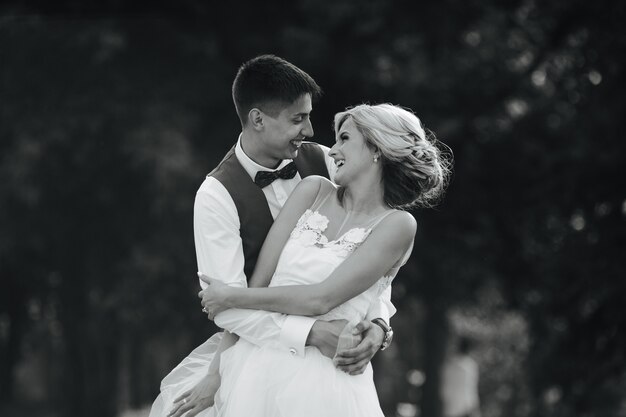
x=388 y=333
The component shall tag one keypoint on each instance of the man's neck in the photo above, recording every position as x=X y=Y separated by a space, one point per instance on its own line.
x=250 y=146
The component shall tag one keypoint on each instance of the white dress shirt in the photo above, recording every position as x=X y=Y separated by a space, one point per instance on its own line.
x=219 y=250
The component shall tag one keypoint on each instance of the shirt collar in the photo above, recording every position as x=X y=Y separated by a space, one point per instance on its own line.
x=249 y=165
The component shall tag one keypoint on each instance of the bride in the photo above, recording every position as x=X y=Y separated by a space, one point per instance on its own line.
x=330 y=253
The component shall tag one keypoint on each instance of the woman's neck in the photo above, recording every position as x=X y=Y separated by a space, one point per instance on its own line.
x=367 y=200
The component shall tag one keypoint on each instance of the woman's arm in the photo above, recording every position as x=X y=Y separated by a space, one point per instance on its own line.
x=300 y=199
x=202 y=395
x=376 y=256
x=228 y=340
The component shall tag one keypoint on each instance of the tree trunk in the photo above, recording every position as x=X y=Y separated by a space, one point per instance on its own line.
x=10 y=352
x=436 y=337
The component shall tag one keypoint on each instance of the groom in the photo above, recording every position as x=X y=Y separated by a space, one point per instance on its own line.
x=238 y=202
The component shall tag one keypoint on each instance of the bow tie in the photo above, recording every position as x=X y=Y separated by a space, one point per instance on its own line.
x=265 y=178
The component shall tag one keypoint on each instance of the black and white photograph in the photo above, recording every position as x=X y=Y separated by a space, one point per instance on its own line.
x=346 y=208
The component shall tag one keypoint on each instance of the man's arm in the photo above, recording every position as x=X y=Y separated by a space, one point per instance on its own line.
x=219 y=249
x=353 y=276
x=219 y=252
x=355 y=360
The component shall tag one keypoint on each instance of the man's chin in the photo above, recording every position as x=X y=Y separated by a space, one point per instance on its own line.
x=293 y=154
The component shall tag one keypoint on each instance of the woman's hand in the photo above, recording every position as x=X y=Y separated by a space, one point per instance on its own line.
x=198 y=398
x=213 y=296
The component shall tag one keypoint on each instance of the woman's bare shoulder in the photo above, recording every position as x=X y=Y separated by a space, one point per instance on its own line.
x=401 y=222
x=318 y=182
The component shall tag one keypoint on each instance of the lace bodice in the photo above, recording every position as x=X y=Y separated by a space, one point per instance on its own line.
x=310 y=231
x=310 y=257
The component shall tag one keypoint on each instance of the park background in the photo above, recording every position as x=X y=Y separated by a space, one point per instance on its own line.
x=112 y=114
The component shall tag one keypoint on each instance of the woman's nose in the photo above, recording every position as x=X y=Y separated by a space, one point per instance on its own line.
x=332 y=151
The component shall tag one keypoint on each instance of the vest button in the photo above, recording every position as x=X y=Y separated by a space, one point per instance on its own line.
x=293 y=351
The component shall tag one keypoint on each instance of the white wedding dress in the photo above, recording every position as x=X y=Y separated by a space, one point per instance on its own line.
x=268 y=381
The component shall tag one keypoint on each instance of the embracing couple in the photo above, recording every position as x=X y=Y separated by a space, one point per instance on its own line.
x=297 y=246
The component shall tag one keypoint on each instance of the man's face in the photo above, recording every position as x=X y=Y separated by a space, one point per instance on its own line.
x=284 y=133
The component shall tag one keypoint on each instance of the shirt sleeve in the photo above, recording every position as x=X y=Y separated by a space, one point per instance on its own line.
x=219 y=251
x=263 y=327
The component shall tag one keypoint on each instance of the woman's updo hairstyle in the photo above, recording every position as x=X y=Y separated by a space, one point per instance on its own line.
x=416 y=166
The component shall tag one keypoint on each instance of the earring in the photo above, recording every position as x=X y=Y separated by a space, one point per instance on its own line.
x=375 y=158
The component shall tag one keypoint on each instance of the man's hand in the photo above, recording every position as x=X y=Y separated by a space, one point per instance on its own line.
x=199 y=398
x=324 y=335
x=354 y=361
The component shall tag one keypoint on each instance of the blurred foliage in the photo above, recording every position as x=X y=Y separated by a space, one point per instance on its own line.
x=110 y=116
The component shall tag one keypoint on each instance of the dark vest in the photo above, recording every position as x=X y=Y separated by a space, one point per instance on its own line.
x=254 y=213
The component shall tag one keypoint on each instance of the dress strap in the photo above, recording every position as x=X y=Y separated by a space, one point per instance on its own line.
x=380 y=218
x=407 y=254
x=322 y=196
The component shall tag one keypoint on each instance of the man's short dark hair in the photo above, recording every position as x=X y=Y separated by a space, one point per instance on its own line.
x=270 y=83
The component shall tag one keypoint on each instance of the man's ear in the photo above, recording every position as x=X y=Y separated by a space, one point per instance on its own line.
x=255 y=118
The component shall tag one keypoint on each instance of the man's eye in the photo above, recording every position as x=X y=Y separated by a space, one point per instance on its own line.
x=298 y=119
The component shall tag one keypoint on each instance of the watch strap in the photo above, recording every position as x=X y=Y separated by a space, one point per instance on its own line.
x=388 y=332
x=383 y=325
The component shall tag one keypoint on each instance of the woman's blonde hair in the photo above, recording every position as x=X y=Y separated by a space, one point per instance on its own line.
x=416 y=166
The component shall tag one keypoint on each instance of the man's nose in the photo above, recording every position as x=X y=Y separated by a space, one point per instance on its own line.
x=308 y=129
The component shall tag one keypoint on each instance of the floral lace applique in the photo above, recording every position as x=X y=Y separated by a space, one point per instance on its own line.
x=309 y=229
x=383 y=283
x=350 y=240
x=310 y=232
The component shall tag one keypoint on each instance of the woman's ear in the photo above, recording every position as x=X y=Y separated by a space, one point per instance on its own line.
x=255 y=118
x=376 y=154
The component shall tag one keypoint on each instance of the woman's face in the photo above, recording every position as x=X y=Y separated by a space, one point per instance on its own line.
x=351 y=153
